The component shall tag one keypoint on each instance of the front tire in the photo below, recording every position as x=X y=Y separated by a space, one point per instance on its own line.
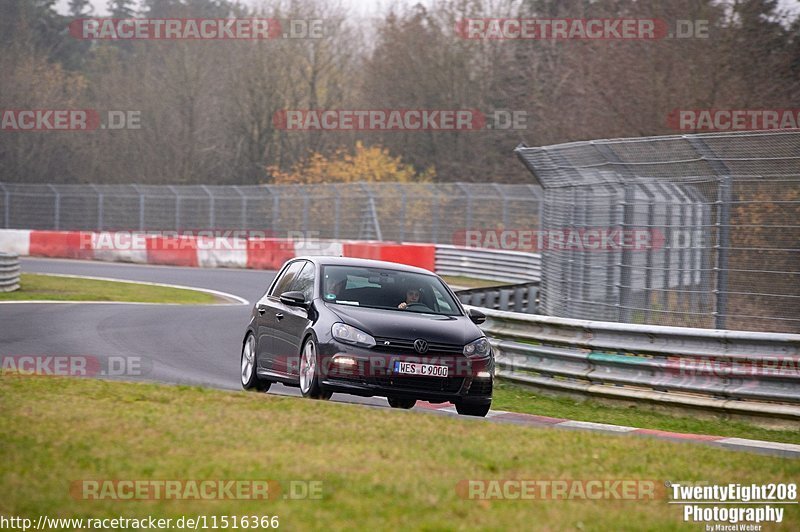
x=309 y=376
x=249 y=377
x=405 y=404
x=473 y=409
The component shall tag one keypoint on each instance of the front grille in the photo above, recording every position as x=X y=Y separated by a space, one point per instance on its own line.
x=428 y=384
x=400 y=345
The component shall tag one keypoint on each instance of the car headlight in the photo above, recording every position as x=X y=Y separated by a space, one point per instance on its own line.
x=350 y=335
x=478 y=348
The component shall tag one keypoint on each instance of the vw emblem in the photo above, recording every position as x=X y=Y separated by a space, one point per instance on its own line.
x=420 y=346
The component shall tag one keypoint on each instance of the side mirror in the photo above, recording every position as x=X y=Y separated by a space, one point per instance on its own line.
x=294 y=299
x=476 y=316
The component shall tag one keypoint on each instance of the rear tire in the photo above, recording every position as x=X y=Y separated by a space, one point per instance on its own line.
x=249 y=377
x=472 y=409
x=404 y=404
x=309 y=375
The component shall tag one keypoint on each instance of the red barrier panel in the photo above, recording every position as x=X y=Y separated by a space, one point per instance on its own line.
x=362 y=250
x=61 y=244
x=172 y=251
x=420 y=255
x=268 y=253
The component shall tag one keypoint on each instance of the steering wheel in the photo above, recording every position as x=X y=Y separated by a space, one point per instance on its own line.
x=419 y=305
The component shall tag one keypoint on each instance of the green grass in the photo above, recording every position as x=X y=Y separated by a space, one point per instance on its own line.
x=518 y=399
x=379 y=469
x=53 y=288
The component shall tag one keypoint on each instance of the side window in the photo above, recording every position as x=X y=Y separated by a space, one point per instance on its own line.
x=304 y=282
x=286 y=279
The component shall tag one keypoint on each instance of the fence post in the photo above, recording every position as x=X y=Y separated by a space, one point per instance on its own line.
x=469 y=205
x=212 y=220
x=276 y=210
x=6 y=207
x=243 y=220
x=723 y=201
x=336 y=210
x=437 y=207
x=56 y=207
x=403 y=201
x=141 y=206
x=502 y=194
x=177 y=207
x=627 y=179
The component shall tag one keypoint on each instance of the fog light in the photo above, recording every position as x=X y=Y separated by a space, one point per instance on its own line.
x=483 y=375
x=345 y=361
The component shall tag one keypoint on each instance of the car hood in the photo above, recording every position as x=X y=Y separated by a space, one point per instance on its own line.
x=457 y=330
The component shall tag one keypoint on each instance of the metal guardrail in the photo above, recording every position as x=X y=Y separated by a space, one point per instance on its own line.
x=523 y=298
x=738 y=372
x=491 y=264
x=9 y=272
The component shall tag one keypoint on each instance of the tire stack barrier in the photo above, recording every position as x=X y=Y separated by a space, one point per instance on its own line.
x=9 y=272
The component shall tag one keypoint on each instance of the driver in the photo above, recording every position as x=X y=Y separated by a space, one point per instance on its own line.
x=412 y=296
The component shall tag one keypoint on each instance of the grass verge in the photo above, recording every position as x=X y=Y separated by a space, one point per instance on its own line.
x=379 y=469
x=519 y=399
x=38 y=287
x=470 y=282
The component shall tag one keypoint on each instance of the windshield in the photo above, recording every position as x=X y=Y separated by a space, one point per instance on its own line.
x=387 y=289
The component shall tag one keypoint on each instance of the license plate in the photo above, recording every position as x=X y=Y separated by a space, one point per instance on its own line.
x=415 y=368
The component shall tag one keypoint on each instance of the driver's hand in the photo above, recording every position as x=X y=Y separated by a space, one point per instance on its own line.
x=402 y=305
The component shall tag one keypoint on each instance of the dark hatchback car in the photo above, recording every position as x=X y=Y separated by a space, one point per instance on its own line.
x=369 y=328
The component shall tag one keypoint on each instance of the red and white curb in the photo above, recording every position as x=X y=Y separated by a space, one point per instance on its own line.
x=788 y=450
x=203 y=252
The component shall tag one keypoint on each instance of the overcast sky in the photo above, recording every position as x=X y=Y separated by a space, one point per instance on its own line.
x=363 y=8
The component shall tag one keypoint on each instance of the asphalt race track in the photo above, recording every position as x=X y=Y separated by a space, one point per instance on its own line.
x=185 y=344
x=201 y=344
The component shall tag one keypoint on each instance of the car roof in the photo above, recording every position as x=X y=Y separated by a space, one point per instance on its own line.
x=364 y=263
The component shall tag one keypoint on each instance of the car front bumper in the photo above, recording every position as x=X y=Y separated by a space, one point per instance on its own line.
x=361 y=371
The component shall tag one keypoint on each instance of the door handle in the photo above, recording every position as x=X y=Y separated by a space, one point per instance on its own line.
x=279 y=316
x=262 y=309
